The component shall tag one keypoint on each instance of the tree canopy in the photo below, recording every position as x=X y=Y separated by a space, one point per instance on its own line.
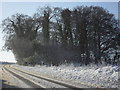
x=54 y=36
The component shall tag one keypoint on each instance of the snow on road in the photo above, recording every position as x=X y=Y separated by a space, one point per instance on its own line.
x=103 y=76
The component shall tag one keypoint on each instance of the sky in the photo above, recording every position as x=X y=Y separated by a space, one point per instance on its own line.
x=30 y=7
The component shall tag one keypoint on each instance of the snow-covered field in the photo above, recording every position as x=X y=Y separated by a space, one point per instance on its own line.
x=102 y=76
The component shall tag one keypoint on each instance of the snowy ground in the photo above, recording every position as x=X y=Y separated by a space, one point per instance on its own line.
x=103 y=76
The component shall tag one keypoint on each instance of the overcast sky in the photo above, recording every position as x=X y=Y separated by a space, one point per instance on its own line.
x=9 y=8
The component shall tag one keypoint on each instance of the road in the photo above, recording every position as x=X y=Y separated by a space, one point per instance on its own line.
x=10 y=81
x=14 y=78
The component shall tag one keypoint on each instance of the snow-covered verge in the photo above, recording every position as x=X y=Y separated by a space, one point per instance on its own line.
x=103 y=76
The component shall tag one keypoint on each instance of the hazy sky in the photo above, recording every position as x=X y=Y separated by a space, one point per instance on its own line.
x=29 y=8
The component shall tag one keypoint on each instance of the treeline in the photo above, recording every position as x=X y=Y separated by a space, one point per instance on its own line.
x=54 y=36
x=3 y=62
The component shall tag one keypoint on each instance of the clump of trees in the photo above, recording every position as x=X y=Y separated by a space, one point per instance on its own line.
x=54 y=36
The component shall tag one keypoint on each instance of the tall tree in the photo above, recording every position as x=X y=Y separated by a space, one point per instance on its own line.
x=45 y=14
x=21 y=31
x=105 y=27
x=66 y=15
